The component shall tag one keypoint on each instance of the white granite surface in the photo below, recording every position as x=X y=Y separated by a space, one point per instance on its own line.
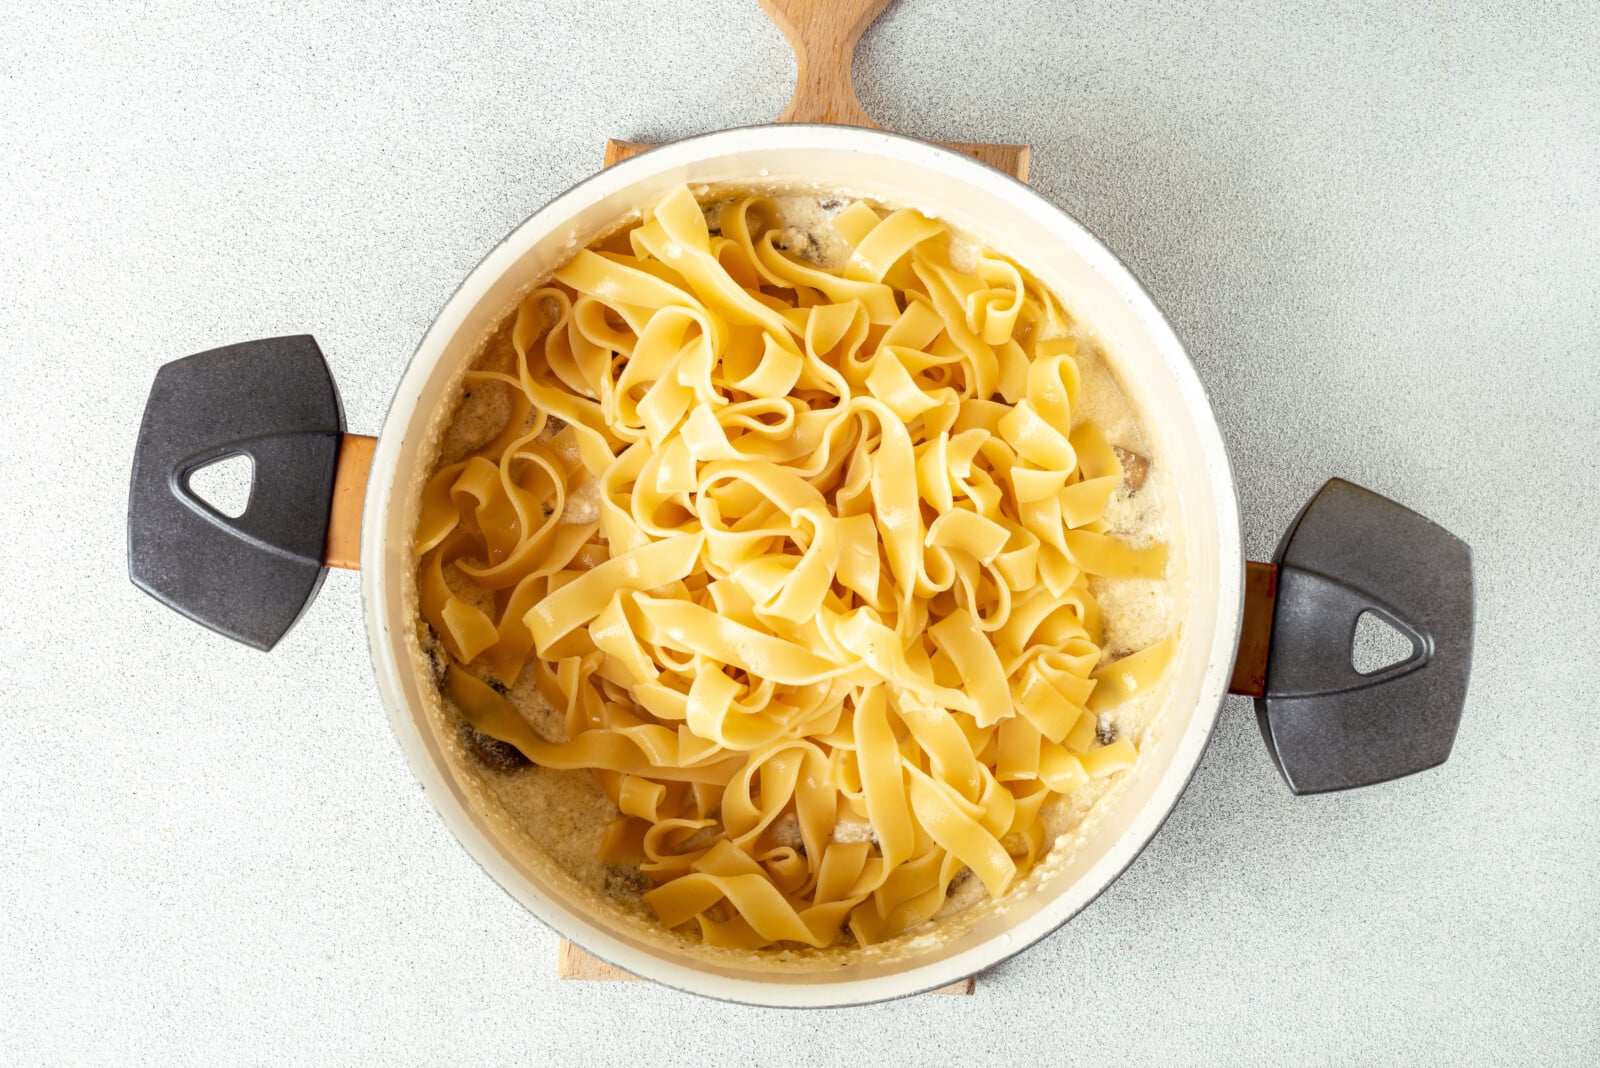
x=1377 y=225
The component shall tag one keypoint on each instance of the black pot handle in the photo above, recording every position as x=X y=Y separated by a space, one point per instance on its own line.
x=1328 y=726
x=252 y=576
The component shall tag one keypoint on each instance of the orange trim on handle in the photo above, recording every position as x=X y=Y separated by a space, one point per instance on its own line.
x=343 y=548
x=1255 y=636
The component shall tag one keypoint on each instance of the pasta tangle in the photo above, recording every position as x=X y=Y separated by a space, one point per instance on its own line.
x=800 y=557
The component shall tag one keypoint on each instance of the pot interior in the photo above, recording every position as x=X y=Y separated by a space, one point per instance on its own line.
x=1154 y=372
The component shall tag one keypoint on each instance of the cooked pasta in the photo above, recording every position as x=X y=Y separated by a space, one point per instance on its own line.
x=793 y=551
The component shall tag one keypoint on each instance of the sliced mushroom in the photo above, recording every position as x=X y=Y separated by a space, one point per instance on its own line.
x=492 y=753
x=437 y=658
x=1135 y=468
x=626 y=882
x=1105 y=729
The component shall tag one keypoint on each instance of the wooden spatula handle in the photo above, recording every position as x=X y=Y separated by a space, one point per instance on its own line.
x=823 y=34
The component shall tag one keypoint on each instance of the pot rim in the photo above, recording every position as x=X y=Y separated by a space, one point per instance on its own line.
x=597 y=938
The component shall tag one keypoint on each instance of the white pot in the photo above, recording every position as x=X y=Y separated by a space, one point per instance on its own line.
x=1153 y=367
x=1069 y=260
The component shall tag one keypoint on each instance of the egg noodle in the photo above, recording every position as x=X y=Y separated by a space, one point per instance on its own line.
x=838 y=577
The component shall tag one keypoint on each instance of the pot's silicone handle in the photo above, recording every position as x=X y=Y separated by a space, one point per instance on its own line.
x=1328 y=726
x=249 y=577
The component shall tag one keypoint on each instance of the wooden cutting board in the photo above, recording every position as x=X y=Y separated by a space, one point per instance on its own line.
x=824 y=34
x=575 y=963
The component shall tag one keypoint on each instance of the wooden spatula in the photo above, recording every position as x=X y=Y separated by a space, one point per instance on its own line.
x=824 y=35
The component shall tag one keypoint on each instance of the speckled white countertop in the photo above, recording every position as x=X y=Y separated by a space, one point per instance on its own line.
x=1377 y=225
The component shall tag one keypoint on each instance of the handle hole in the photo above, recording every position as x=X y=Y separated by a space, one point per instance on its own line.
x=1378 y=644
x=225 y=484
